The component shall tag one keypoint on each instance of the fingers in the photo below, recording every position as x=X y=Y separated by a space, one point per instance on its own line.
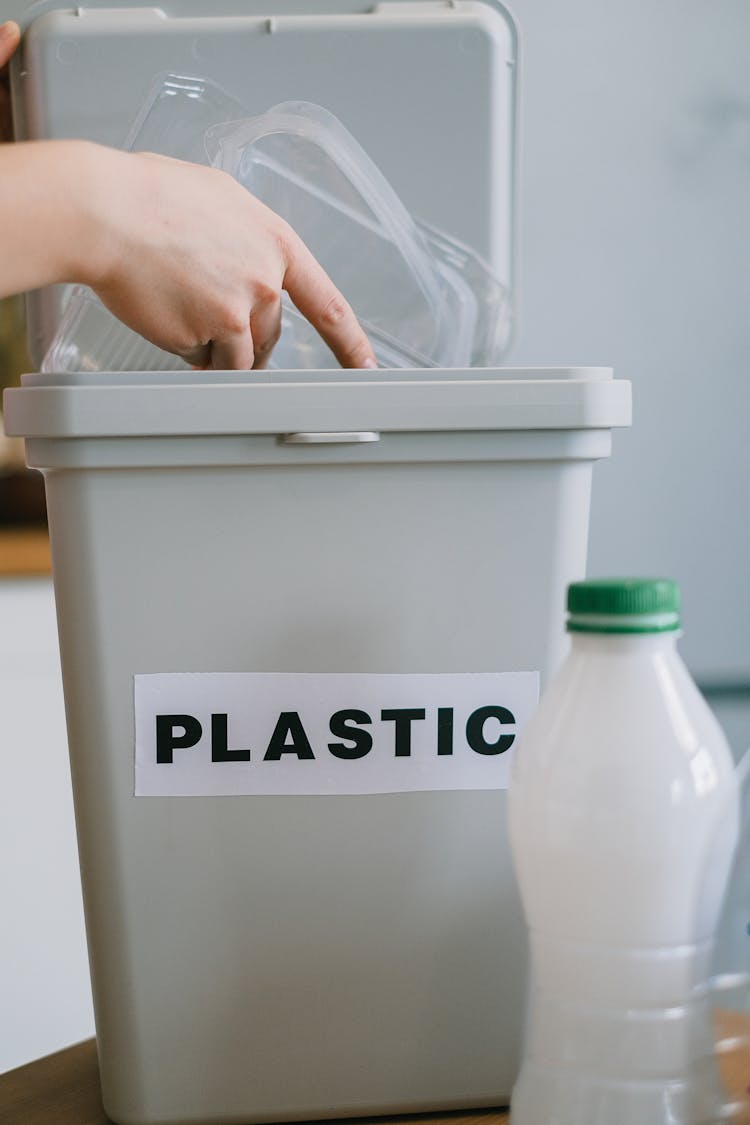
x=265 y=327
x=230 y=350
x=242 y=347
x=318 y=299
x=10 y=36
x=198 y=357
x=233 y=351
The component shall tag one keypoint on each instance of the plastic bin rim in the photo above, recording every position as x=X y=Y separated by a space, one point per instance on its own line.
x=460 y=377
x=215 y=404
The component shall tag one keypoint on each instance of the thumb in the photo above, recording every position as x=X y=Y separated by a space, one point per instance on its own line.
x=10 y=37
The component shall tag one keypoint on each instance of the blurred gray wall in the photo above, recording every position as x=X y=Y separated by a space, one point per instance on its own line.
x=635 y=251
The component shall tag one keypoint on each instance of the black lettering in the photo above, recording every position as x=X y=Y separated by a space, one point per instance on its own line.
x=475 y=730
x=402 y=717
x=220 y=751
x=167 y=740
x=288 y=724
x=341 y=726
x=445 y=730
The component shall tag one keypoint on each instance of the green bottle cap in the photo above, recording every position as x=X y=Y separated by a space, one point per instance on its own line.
x=624 y=605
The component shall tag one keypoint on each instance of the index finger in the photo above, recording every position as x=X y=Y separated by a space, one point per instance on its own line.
x=318 y=299
x=10 y=35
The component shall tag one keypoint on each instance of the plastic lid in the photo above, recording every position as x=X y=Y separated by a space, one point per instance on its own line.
x=624 y=605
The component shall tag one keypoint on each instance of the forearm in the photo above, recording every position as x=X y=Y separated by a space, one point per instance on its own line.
x=49 y=195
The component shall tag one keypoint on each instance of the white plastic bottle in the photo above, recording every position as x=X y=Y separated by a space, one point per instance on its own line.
x=623 y=798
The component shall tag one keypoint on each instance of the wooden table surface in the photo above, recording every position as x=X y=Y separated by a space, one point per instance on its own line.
x=63 y=1089
x=24 y=551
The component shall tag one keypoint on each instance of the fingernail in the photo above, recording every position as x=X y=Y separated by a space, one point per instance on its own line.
x=370 y=363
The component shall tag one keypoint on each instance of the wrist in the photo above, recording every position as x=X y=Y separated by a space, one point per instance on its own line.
x=95 y=203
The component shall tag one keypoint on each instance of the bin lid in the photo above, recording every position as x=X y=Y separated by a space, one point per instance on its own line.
x=428 y=88
x=170 y=404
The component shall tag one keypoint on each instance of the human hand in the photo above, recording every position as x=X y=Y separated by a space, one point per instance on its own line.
x=196 y=264
x=10 y=36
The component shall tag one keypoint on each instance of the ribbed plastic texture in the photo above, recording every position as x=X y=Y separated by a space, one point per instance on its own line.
x=624 y=596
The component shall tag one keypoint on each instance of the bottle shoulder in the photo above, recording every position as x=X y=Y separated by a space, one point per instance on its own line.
x=631 y=709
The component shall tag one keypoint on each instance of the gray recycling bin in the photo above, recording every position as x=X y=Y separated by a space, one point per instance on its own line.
x=269 y=947
x=303 y=617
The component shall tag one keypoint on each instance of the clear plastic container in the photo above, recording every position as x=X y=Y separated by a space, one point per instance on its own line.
x=424 y=299
x=177 y=114
x=90 y=338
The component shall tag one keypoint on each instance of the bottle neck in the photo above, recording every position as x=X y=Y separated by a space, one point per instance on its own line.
x=624 y=642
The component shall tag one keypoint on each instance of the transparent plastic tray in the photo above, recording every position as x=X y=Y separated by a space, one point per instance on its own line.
x=424 y=299
x=412 y=288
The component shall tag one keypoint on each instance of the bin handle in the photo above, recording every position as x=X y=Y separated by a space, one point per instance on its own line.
x=346 y=437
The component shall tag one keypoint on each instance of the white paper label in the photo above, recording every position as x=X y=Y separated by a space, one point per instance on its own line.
x=235 y=733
